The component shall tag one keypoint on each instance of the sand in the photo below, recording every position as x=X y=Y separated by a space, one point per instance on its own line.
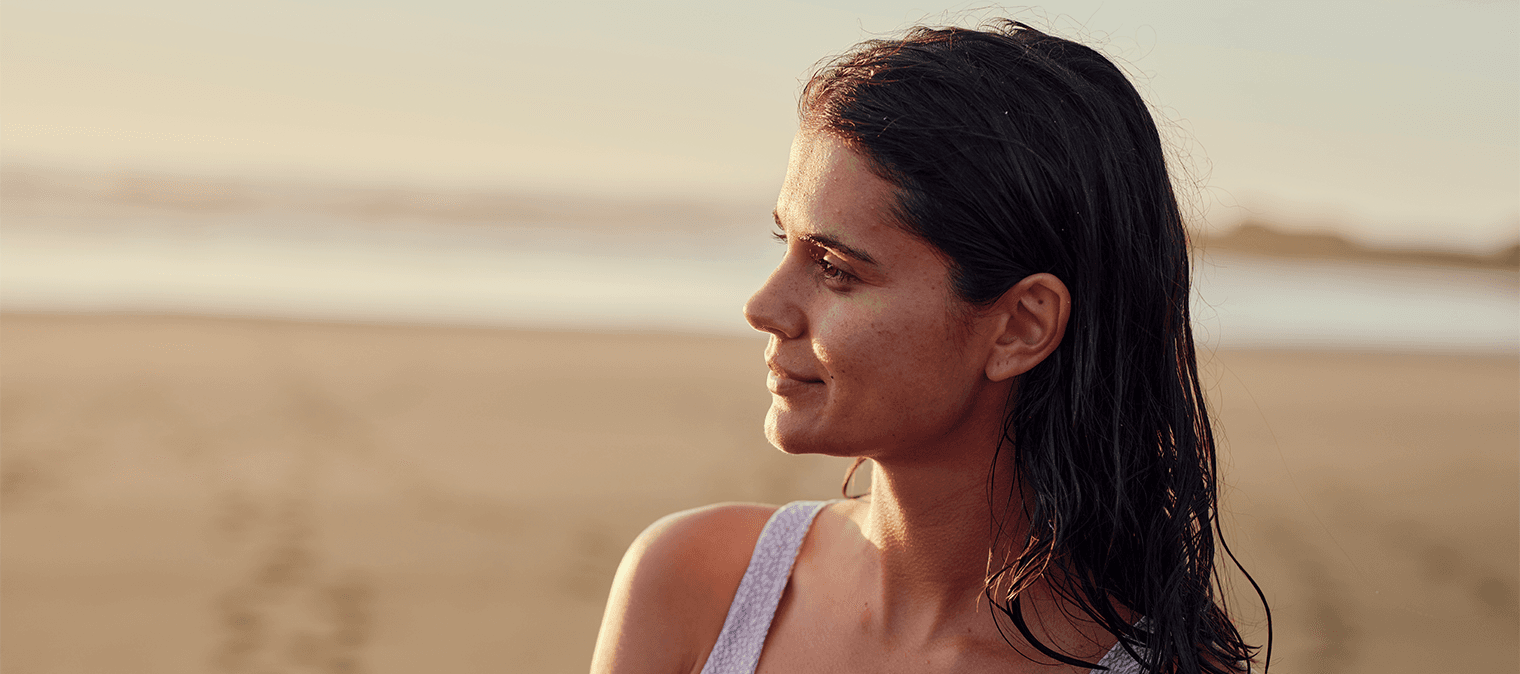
x=193 y=494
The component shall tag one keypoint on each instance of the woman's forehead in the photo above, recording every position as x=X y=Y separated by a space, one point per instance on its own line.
x=833 y=198
x=830 y=189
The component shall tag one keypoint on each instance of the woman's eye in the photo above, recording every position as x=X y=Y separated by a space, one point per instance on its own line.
x=833 y=275
x=829 y=270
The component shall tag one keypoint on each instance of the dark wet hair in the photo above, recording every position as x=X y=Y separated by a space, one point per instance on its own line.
x=1014 y=152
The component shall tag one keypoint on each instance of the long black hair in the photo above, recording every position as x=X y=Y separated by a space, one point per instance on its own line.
x=1014 y=152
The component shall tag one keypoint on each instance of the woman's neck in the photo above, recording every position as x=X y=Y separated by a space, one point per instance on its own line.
x=929 y=527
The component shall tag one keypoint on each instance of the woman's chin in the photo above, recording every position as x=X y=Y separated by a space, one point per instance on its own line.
x=778 y=439
x=789 y=434
x=792 y=435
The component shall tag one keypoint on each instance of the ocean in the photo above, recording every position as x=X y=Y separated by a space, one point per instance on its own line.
x=311 y=265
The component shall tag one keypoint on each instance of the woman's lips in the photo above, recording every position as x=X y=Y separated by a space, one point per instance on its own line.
x=784 y=383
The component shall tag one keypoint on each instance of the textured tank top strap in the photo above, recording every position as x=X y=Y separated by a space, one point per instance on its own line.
x=1119 y=661
x=749 y=616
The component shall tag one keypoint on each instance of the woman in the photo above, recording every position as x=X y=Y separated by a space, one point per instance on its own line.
x=985 y=292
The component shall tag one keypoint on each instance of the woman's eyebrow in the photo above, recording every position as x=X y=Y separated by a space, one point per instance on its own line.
x=830 y=242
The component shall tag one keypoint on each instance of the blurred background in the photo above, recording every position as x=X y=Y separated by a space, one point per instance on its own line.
x=364 y=337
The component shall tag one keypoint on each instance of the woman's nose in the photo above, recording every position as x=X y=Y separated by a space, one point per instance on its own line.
x=773 y=308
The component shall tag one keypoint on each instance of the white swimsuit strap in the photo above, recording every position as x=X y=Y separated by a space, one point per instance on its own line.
x=749 y=616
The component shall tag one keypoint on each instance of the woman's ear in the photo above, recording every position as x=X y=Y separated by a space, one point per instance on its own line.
x=1032 y=316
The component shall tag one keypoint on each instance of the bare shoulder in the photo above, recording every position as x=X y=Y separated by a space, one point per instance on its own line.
x=673 y=588
x=697 y=542
x=690 y=563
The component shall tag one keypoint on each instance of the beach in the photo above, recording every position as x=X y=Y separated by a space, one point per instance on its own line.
x=191 y=494
x=366 y=338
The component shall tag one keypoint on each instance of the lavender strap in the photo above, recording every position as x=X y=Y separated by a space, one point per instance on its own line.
x=749 y=616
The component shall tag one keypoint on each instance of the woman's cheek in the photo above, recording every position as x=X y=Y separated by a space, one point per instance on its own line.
x=842 y=342
x=833 y=314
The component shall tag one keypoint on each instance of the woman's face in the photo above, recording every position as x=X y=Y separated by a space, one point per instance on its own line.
x=869 y=353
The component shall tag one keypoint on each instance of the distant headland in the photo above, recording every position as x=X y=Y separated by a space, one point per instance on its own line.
x=1258 y=238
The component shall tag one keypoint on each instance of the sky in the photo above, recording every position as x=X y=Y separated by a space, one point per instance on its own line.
x=1394 y=122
